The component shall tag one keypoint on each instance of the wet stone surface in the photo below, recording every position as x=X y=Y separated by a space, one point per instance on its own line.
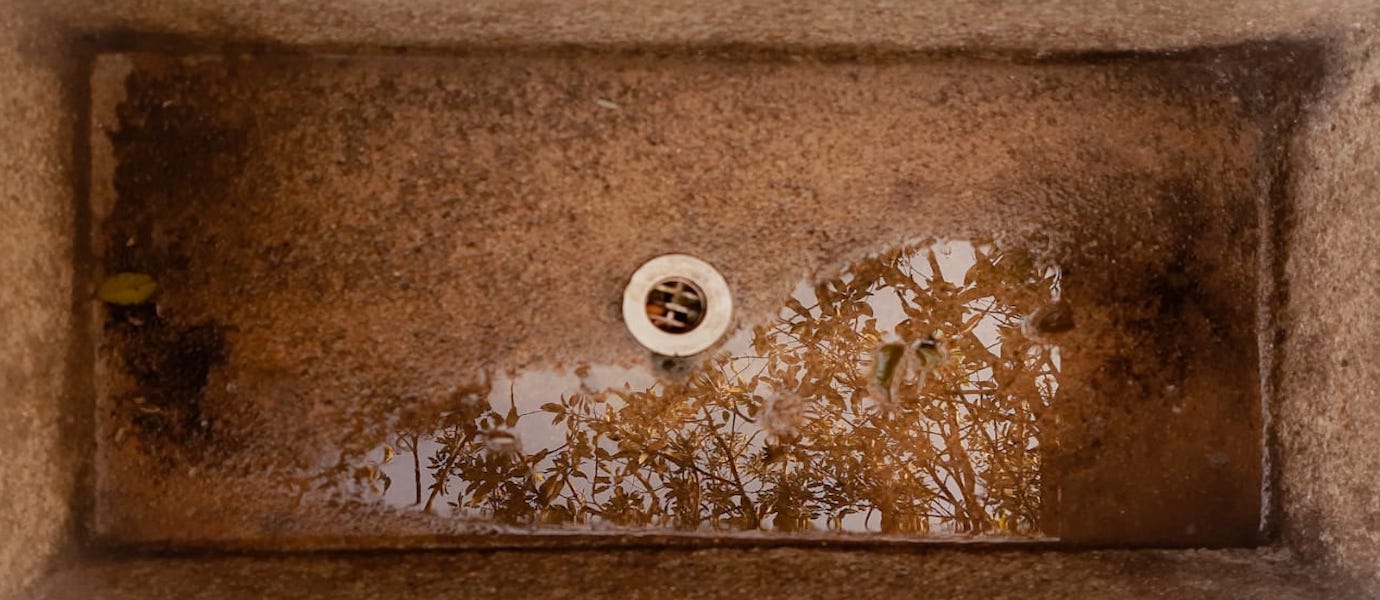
x=983 y=300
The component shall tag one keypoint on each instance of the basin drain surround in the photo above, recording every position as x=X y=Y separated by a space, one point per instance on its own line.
x=677 y=305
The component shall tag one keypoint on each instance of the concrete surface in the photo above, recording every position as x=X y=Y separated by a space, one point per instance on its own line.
x=654 y=574
x=1327 y=409
x=38 y=391
x=1329 y=400
x=1044 y=25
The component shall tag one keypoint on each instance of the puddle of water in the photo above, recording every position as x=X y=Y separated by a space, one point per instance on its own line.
x=790 y=426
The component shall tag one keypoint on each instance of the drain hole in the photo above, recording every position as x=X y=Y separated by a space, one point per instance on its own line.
x=675 y=305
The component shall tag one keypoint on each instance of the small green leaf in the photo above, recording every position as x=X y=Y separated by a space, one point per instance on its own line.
x=549 y=489
x=884 y=365
x=127 y=289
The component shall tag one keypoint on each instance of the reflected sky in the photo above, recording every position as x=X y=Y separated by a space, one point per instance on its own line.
x=789 y=426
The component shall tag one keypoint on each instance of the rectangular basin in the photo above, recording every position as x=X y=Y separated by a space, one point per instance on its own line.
x=1041 y=301
x=377 y=273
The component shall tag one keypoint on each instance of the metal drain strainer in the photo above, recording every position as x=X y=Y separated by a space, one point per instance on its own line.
x=677 y=305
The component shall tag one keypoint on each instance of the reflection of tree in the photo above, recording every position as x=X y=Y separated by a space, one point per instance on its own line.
x=800 y=434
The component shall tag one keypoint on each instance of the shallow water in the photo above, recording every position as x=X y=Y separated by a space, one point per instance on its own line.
x=787 y=426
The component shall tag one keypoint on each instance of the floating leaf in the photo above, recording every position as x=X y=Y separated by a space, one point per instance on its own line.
x=884 y=365
x=929 y=353
x=127 y=289
x=549 y=489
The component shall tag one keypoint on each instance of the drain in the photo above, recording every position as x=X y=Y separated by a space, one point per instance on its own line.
x=677 y=305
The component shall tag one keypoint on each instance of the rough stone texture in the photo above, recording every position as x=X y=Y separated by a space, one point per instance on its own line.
x=720 y=573
x=1329 y=411
x=1329 y=466
x=37 y=469
x=1050 y=25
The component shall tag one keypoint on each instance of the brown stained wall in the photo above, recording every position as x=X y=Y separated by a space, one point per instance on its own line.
x=785 y=573
x=1329 y=412
x=1052 y=25
x=37 y=463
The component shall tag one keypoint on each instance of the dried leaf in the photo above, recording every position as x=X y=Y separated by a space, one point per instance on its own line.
x=127 y=289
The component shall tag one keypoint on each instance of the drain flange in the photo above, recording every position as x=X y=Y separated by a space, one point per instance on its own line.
x=677 y=305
